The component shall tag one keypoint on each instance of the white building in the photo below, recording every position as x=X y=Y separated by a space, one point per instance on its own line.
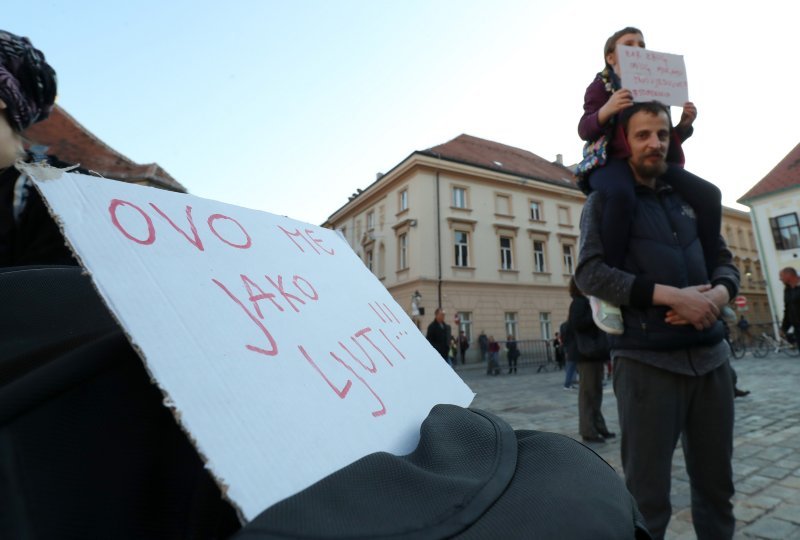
x=774 y=204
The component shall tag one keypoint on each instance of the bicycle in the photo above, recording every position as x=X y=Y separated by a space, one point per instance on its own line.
x=767 y=343
x=738 y=348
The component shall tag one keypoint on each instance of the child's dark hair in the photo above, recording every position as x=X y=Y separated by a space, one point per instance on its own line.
x=653 y=107
x=611 y=43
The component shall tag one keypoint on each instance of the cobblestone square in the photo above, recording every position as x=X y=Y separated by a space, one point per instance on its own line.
x=766 y=456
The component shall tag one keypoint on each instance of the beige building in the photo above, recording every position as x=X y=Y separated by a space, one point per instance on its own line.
x=738 y=233
x=487 y=231
x=490 y=233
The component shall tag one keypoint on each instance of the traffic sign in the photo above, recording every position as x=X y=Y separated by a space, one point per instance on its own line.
x=740 y=301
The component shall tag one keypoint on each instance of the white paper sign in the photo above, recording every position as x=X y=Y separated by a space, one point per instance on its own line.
x=651 y=75
x=284 y=358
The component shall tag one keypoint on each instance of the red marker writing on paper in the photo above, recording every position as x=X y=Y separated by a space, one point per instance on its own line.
x=138 y=226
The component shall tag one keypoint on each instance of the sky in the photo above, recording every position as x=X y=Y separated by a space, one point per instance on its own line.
x=290 y=106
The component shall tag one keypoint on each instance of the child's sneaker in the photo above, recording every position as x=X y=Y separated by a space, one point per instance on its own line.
x=607 y=317
x=727 y=314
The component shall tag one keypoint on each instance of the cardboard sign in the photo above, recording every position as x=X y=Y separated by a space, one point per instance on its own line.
x=651 y=75
x=281 y=355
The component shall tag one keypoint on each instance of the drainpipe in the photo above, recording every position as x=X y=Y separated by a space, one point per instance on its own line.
x=438 y=244
x=767 y=272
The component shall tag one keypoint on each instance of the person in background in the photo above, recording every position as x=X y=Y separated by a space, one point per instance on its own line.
x=483 y=344
x=590 y=360
x=569 y=346
x=438 y=334
x=452 y=353
x=744 y=330
x=512 y=353
x=494 y=356
x=463 y=345
x=791 y=304
x=558 y=350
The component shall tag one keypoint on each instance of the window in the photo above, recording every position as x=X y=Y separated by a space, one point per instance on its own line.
x=538 y=257
x=402 y=256
x=403 y=200
x=544 y=325
x=569 y=260
x=563 y=216
x=370 y=220
x=511 y=324
x=465 y=323
x=369 y=259
x=536 y=211
x=459 y=197
x=505 y=253
x=785 y=231
x=502 y=205
x=462 y=248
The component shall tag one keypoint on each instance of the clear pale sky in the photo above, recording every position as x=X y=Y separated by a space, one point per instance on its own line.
x=290 y=106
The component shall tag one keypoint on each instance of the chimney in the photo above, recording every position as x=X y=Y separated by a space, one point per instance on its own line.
x=560 y=159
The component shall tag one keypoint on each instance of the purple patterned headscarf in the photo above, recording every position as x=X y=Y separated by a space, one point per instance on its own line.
x=27 y=82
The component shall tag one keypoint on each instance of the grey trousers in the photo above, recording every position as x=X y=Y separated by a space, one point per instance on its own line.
x=656 y=407
x=590 y=399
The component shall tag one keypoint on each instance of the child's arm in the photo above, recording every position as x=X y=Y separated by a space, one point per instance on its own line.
x=684 y=128
x=599 y=107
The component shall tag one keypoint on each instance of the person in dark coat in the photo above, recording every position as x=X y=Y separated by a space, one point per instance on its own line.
x=791 y=303
x=512 y=354
x=558 y=350
x=438 y=334
x=591 y=424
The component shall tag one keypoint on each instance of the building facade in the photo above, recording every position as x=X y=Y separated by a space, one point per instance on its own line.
x=774 y=204
x=484 y=230
x=738 y=233
x=490 y=233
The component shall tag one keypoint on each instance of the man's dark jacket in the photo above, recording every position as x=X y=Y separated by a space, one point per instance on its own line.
x=439 y=336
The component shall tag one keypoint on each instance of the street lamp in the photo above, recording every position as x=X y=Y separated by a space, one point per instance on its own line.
x=416 y=310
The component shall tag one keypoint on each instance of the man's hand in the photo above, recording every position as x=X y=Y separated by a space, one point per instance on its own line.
x=688 y=115
x=717 y=295
x=619 y=100
x=690 y=305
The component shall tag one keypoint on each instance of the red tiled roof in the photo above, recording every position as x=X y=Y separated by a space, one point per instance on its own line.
x=68 y=140
x=500 y=157
x=786 y=174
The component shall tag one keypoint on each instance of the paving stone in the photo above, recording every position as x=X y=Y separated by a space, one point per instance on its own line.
x=746 y=513
x=778 y=473
x=787 y=512
x=762 y=501
x=791 y=482
x=771 y=528
x=787 y=494
x=774 y=453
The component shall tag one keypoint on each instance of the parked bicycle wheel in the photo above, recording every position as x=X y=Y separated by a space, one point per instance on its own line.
x=762 y=348
x=791 y=350
x=737 y=348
